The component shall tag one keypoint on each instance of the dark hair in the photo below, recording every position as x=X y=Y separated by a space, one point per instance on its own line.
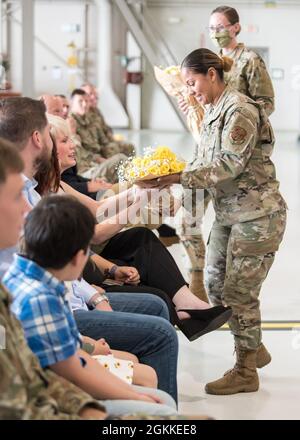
x=78 y=92
x=200 y=60
x=10 y=160
x=49 y=179
x=19 y=118
x=56 y=229
x=61 y=96
x=230 y=13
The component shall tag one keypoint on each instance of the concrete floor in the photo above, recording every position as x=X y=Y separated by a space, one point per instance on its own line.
x=209 y=357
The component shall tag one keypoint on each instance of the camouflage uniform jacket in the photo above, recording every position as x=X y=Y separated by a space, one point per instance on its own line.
x=249 y=76
x=87 y=133
x=233 y=160
x=27 y=391
x=84 y=159
x=98 y=119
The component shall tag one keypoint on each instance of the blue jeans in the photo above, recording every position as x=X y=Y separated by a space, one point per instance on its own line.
x=134 y=407
x=139 y=324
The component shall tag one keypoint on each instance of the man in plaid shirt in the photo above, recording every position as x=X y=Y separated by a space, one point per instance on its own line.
x=41 y=305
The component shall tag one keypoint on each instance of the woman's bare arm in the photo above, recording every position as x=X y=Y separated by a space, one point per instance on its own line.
x=113 y=201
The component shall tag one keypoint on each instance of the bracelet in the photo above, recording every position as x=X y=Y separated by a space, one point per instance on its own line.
x=110 y=273
x=98 y=300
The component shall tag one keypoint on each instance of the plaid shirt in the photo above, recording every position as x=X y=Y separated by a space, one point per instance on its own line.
x=39 y=302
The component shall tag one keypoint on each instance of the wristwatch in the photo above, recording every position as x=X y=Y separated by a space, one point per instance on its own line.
x=99 y=299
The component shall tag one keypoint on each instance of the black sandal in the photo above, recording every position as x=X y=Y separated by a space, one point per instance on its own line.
x=203 y=321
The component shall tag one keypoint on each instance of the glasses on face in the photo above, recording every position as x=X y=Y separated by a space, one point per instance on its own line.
x=219 y=28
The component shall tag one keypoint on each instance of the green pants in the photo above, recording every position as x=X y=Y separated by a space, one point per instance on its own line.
x=195 y=249
x=115 y=147
x=238 y=261
x=107 y=169
x=191 y=236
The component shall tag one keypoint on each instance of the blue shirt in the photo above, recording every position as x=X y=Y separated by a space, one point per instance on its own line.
x=40 y=303
x=6 y=258
x=81 y=294
x=32 y=197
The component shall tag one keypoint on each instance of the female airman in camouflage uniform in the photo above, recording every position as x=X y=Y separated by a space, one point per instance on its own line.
x=234 y=166
x=249 y=76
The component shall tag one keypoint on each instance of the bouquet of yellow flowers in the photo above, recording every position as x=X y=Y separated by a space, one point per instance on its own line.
x=171 y=81
x=155 y=163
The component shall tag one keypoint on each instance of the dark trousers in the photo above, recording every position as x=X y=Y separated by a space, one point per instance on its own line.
x=139 y=247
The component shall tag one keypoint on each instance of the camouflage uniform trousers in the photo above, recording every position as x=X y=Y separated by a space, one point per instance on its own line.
x=107 y=169
x=238 y=261
x=191 y=237
x=116 y=147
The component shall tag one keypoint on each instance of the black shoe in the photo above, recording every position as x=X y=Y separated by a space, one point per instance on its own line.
x=166 y=231
x=167 y=235
x=203 y=321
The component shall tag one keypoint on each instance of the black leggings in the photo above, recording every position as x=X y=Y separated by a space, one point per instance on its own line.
x=93 y=275
x=139 y=247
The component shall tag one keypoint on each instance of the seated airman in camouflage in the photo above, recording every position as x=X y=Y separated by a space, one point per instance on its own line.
x=90 y=161
x=109 y=141
x=89 y=129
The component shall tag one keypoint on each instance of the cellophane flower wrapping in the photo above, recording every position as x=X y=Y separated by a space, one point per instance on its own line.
x=171 y=81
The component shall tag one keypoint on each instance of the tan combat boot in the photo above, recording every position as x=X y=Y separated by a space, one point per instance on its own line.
x=242 y=378
x=197 y=285
x=263 y=358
